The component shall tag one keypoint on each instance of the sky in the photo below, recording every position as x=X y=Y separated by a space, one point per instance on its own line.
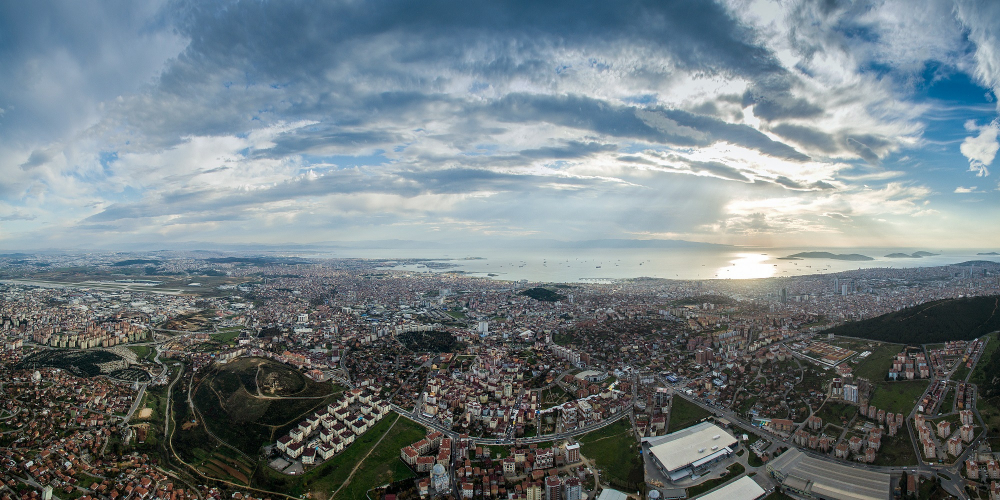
x=742 y=122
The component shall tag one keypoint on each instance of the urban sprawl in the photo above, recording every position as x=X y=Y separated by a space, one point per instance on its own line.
x=200 y=375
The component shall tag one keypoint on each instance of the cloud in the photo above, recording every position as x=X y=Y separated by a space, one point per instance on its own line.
x=981 y=19
x=982 y=148
x=17 y=215
x=336 y=120
x=719 y=170
x=964 y=190
x=838 y=216
x=806 y=136
x=36 y=159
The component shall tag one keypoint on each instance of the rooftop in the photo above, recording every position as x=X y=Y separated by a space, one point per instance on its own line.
x=829 y=479
x=684 y=447
x=744 y=488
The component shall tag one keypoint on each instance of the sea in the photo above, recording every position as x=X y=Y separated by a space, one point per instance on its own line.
x=609 y=264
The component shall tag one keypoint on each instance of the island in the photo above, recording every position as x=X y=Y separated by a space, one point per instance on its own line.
x=988 y=253
x=915 y=255
x=827 y=255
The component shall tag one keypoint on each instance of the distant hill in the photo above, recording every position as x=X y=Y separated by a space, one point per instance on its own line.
x=929 y=323
x=988 y=253
x=827 y=255
x=543 y=294
x=978 y=263
x=133 y=262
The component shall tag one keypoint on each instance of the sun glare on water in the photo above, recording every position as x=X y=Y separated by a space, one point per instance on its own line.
x=745 y=266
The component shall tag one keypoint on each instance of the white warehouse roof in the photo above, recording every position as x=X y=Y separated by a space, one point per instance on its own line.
x=744 y=488
x=684 y=447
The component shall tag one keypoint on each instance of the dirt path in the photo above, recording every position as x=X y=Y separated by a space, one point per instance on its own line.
x=620 y=434
x=355 y=469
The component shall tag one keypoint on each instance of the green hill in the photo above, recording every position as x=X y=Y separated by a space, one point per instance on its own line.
x=543 y=294
x=929 y=323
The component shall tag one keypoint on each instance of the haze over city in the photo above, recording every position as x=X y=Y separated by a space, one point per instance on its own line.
x=754 y=123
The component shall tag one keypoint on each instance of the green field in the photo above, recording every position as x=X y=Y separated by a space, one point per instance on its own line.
x=979 y=373
x=898 y=397
x=896 y=450
x=226 y=336
x=833 y=412
x=141 y=351
x=949 y=400
x=876 y=366
x=382 y=463
x=616 y=452
x=989 y=409
x=961 y=372
x=684 y=414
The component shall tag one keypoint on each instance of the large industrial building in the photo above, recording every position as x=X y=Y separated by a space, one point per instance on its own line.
x=744 y=488
x=809 y=477
x=689 y=451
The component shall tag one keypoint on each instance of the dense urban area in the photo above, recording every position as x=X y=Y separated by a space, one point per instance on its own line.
x=197 y=375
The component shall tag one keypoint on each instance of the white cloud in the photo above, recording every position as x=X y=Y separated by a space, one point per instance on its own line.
x=505 y=126
x=982 y=19
x=982 y=148
x=964 y=190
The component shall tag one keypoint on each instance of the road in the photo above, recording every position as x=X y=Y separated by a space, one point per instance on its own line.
x=954 y=485
x=135 y=404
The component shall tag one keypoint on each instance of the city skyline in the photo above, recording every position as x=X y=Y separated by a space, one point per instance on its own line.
x=752 y=123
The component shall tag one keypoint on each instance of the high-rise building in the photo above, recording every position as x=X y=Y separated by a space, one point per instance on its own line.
x=572 y=453
x=572 y=489
x=784 y=295
x=851 y=393
x=553 y=488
